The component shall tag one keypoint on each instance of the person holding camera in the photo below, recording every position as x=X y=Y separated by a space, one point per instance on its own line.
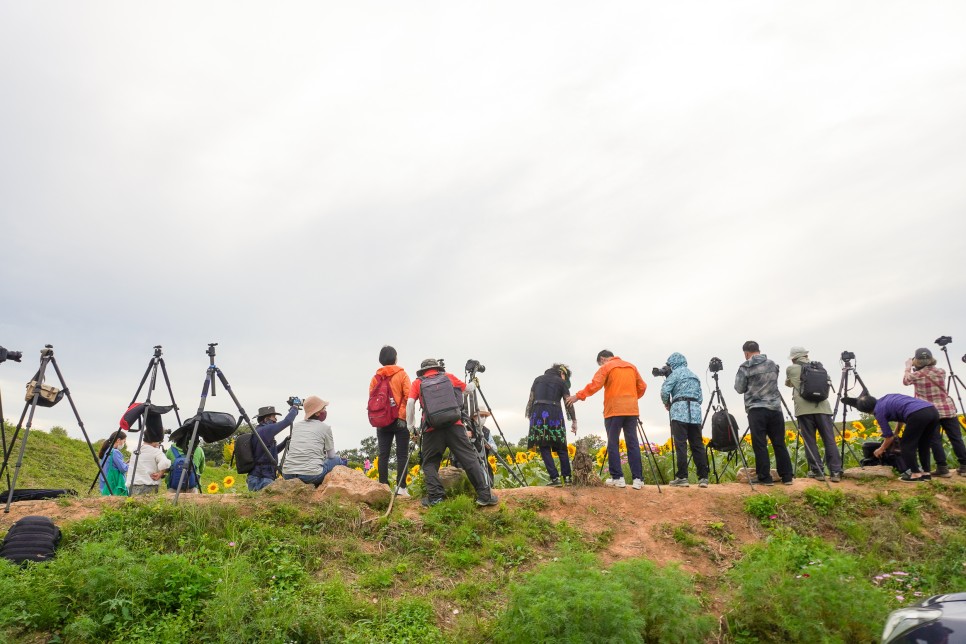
x=929 y=382
x=440 y=395
x=548 y=429
x=682 y=397
x=151 y=464
x=311 y=449
x=623 y=387
x=757 y=379
x=394 y=378
x=269 y=427
x=921 y=420
x=813 y=417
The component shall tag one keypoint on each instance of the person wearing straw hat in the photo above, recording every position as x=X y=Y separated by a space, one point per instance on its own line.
x=269 y=427
x=311 y=450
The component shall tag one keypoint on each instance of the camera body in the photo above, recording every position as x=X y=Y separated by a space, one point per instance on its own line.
x=294 y=401
x=715 y=365
x=473 y=367
x=847 y=356
x=663 y=372
x=943 y=340
x=6 y=354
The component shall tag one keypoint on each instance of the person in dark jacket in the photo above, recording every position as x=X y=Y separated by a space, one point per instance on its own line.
x=813 y=418
x=757 y=379
x=548 y=429
x=269 y=427
x=682 y=397
x=921 y=420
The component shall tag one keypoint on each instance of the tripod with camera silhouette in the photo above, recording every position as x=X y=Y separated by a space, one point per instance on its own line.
x=847 y=367
x=953 y=380
x=472 y=407
x=718 y=404
x=32 y=401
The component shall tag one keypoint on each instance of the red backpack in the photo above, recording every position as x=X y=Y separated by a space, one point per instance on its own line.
x=382 y=407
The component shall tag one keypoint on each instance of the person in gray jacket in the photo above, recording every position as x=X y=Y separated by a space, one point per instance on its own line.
x=757 y=379
x=311 y=451
x=813 y=417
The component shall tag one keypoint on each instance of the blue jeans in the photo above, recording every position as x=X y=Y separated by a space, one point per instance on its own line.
x=547 y=454
x=316 y=479
x=256 y=483
x=614 y=425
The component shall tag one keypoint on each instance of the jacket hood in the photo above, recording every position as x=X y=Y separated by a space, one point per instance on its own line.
x=389 y=370
x=756 y=359
x=676 y=360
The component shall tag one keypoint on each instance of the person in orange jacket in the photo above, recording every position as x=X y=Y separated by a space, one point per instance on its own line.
x=399 y=388
x=623 y=387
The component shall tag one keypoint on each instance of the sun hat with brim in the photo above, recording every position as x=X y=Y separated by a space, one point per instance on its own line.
x=797 y=352
x=265 y=411
x=427 y=364
x=313 y=405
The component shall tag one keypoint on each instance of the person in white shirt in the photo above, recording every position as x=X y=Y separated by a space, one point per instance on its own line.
x=151 y=465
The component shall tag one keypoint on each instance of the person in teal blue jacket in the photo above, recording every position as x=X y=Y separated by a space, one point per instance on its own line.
x=682 y=397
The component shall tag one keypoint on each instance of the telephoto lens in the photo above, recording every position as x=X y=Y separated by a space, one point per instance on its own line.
x=715 y=365
x=6 y=354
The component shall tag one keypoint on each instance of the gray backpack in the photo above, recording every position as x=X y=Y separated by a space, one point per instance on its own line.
x=442 y=403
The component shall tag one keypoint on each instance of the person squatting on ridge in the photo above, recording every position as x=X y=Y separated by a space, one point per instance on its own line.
x=682 y=397
x=151 y=465
x=757 y=379
x=311 y=450
x=397 y=430
x=113 y=465
x=813 y=417
x=623 y=387
x=548 y=429
x=263 y=471
x=921 y=420
x=440 y=394
x=930 y=385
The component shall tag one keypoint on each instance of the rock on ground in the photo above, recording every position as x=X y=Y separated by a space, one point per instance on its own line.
x=354 y=486
x=870 y=472
x=745 y=472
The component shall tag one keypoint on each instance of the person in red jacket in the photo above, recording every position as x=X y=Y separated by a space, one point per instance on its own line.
x=399 y=388
x=623 y=387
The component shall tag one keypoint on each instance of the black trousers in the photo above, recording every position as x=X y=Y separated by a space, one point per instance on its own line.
x=920 y=427
x=434 y=443
x=685 y=434
x=955 y=436
x=384 y=438
x=769 y=425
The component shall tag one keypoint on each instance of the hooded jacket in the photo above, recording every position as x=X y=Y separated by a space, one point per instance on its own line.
x=398 y=384
x=757 y=379
x=622 y=385
x=793 y=379
x=682 y=383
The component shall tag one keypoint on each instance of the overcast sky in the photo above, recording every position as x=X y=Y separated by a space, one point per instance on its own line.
x=521 y=183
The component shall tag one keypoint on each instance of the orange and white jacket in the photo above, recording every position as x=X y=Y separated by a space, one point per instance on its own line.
x=622 y=385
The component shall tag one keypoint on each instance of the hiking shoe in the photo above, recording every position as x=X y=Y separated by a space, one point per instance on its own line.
x=942 y=471
x=637 y=484
x=487 y=502
x=818 y=476
x=615 y=483
x=554 y=483
x=790 y=481
x=679 y=483
x=909 y=478
x=402 y=493
x=768 y=482
x=962 y=470
x=427 y=502
x=568 y=480
x=702 y=482
x=836 y=477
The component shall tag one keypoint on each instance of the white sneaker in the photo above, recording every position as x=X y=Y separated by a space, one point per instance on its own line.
x=403 y=493
x=615 y=483
x=637 y=484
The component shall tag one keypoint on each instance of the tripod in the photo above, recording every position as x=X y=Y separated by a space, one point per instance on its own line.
x=46 y=358
x=716 y=397
x=472 y=402
x=798 y=437
x=152 y=373
x=847 y=367
x=651 y=459
x=953 y=378
x=210 y=375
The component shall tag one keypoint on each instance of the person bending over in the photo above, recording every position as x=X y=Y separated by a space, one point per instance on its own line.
x=921 y=420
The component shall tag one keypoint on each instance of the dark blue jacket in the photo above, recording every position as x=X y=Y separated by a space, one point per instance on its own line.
x=264 y=467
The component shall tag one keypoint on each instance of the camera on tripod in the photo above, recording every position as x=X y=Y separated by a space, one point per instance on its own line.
x=847 y=356
x=6 y=354
x=715 y=365
x=943 y=340
x=663 y=372
x=294 y=401
x=474 y=366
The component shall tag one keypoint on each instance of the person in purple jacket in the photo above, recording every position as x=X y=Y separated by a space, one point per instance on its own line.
x=921 y=420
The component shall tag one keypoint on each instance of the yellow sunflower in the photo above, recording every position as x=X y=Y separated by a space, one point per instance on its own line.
x=622 y=445
x=522 y=458
x=602 y=452
x=228 y=481
x=491 y=460
x=414 y=470
x=409 y=479
x=789 y=435
x=962 y=421
x=212 y=488
x=571 y=450
x=359 y=469
x=857 y=426
x=849 y=434
x=705 y=440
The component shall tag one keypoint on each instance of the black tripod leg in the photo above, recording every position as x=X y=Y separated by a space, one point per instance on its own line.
x=209 y=378
x=3 y=434
x=167 y=382
x=520 y=479
x=244 y=416
x=652 y=462
x=143 y=421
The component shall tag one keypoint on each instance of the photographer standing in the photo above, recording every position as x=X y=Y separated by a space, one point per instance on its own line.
x=757 y=379
x=397 y=380
x=263 y=472
x=813 y=417
x=548 y=429
x=930 y=385
x=311 y=450
x=682 y=397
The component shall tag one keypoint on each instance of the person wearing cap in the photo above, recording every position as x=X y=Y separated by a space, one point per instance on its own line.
x=682 y=397
x=921 y=420
x=813 y=417
x=152 y=463
x=397 y=431
x=311 y=451
x=269 y=427
x=435 y=440
x=757 y=379
x=929 y=382
x=548 y=429
x=623 y=387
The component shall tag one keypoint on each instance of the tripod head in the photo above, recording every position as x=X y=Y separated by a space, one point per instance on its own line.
x=157 y=351
x=47 y=351
x=847 y=357
x=211 y=351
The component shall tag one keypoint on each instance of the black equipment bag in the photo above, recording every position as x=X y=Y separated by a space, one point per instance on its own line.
x=441 y=401
x=32 y=538
x=815 y=383
x=245 y=453
x=154 y=426
x=26 y=494
x=724 y=437
x=214 y=426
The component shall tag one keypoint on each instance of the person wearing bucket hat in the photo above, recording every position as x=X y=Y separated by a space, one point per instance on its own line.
x=929 y=382
x=443 y=392
x=813 y=418
x=269 y=427
x=311 y=450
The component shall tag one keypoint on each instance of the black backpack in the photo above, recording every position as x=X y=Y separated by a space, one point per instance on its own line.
x=724 y=437
x=441 y=402
x=815 y=383
x=244 y=452
x=32 y=538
